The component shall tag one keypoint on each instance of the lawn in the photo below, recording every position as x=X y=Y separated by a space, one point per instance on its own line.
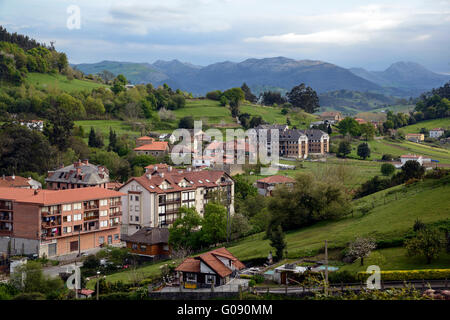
x=386 y=220
x=397 y=259
x=357 y=171
x=58 y=81
x=428 y=124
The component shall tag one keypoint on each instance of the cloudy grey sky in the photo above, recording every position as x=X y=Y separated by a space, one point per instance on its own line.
x=349 y=33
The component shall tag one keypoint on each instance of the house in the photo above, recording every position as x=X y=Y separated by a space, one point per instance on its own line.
x=80 y=174
x=214 y=267
x=411 y=157
x=149 y=242
x=266 y=185
x=331 y=117
x=415 y=137
x=167 y=137
x=19 y=182
x=33 y=124
x=436 y=133
x=318 y=142
x=148 y=146
x=282 y=273
x=293 y=144
x=58 y=222
x=154 y=199
x=85 y=293
x=360 y=121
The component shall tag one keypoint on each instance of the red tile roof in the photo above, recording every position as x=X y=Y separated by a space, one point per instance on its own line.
x=189 y=265
x=145 y=138
x=410 y=156
x=277 y=179
x=154 y=146
x=211 y=259
x=53 y=197
x=203 y=178
x=17 y=182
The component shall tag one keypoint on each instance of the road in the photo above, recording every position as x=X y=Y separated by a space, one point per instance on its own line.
x=56 y=270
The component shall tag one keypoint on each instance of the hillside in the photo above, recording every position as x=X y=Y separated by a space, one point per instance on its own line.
x=428 y=124
x=275 y=72
x=385 y=221
x=59 y=81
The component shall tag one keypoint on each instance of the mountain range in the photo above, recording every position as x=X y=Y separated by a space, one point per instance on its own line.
x=400 y=79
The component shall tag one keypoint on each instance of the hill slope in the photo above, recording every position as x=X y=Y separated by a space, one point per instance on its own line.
x=385 y=221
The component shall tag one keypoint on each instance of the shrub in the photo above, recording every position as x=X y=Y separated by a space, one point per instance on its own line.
x=252 y=283
x=342 y=276
x=401 y=275
x=258 y=278
x=387 y=169
x=390 y=243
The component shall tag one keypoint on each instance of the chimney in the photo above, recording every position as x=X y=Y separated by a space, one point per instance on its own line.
x=155 y=168
x=188 y=169
x=13 y=177
x=36 y=192
x=149 y=176
x=170 y=168
x=162 y=174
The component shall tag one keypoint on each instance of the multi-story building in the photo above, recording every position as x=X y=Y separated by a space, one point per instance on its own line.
x=58 y=222
x=415 y=137
x=331 y=116
x=80 y=174
x=154 y=199
x=294 y=143
x=436 y=132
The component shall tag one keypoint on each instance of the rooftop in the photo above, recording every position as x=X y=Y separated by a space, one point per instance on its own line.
x=149 y=236
x=154 y=146
x=53 y=197
x=277 y=179
x=80 y=172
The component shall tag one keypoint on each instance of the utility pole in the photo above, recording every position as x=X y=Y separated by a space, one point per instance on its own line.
x=326 y=267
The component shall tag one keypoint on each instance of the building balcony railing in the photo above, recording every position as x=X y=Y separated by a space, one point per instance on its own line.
x=7 y=208
x=115 y=214
x=52 y=224
x=6 y=218
x=171 y=201
x=50 y=213
x=4 y=232
x=91 y=218
x=116 y=204
x=88 y=208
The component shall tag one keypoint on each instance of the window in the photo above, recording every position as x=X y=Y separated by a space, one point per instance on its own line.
x=77 y=206
x=161 y=209
x=109 y=239
x=67 y=207
x=192 y=277
x=67 y=229
x=104 y=223
x=143 y=247
x=131 y=218
x=210 y=278
x=101 y=240
x=136 y=198
x=103 y=213
x=103 y=202
x=77 y=217
x=134 y=246
x=116 y=236
x=136 y=218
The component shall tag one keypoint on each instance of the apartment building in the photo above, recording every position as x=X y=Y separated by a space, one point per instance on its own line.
x=19 y=182
x=293 y=144
x=58 y=222
x=318 y=142
x=154 y=199
x=80 y=174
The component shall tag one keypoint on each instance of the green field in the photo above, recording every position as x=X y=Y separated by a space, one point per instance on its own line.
x=207 y=110
x=385 y=221
x=355 y=172
x=58 y=81
x=428 y=124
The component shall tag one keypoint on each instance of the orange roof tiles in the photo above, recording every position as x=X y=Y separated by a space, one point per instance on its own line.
x=189 y=265
x=53 y=197
x=154 y=146
x=146 y=138
x=14 y=183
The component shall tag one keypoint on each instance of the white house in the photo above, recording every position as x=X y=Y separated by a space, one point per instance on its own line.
x=436 y=132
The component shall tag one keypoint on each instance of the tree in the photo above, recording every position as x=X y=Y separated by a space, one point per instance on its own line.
x=304 y=97
x=249 y=96
x=143 y=160
x=214 y=95
x=186 y=122
x=183 y=234
x=95 y=139
x=119 y=84
x=387 y=169
x=239 y=226
x=59 y=127
x=278 y=242
x=269 y=98
x=344 y=148
x=412 y=169
x=306 y=202
x=349 y=126
x=363 y=150
x=367 y=131
x=361 y=248
x=256 y=121
x=112 y=140
x=214 y=227
x=427 y=243
x=243 y=188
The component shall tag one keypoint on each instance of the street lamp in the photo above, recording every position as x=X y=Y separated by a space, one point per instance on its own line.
x=98 y=282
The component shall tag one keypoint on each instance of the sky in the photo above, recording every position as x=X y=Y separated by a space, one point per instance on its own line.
x=367 y=34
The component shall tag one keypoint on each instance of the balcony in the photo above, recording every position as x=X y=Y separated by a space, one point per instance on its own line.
x=88 y=208
x=50 y=224
x=4 y=207
x=115 y=214
x=6 y=217
x=116 y=204
x=89 y=218
x=53 y=213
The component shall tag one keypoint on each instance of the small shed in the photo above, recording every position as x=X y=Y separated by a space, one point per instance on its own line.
x=282 y=273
